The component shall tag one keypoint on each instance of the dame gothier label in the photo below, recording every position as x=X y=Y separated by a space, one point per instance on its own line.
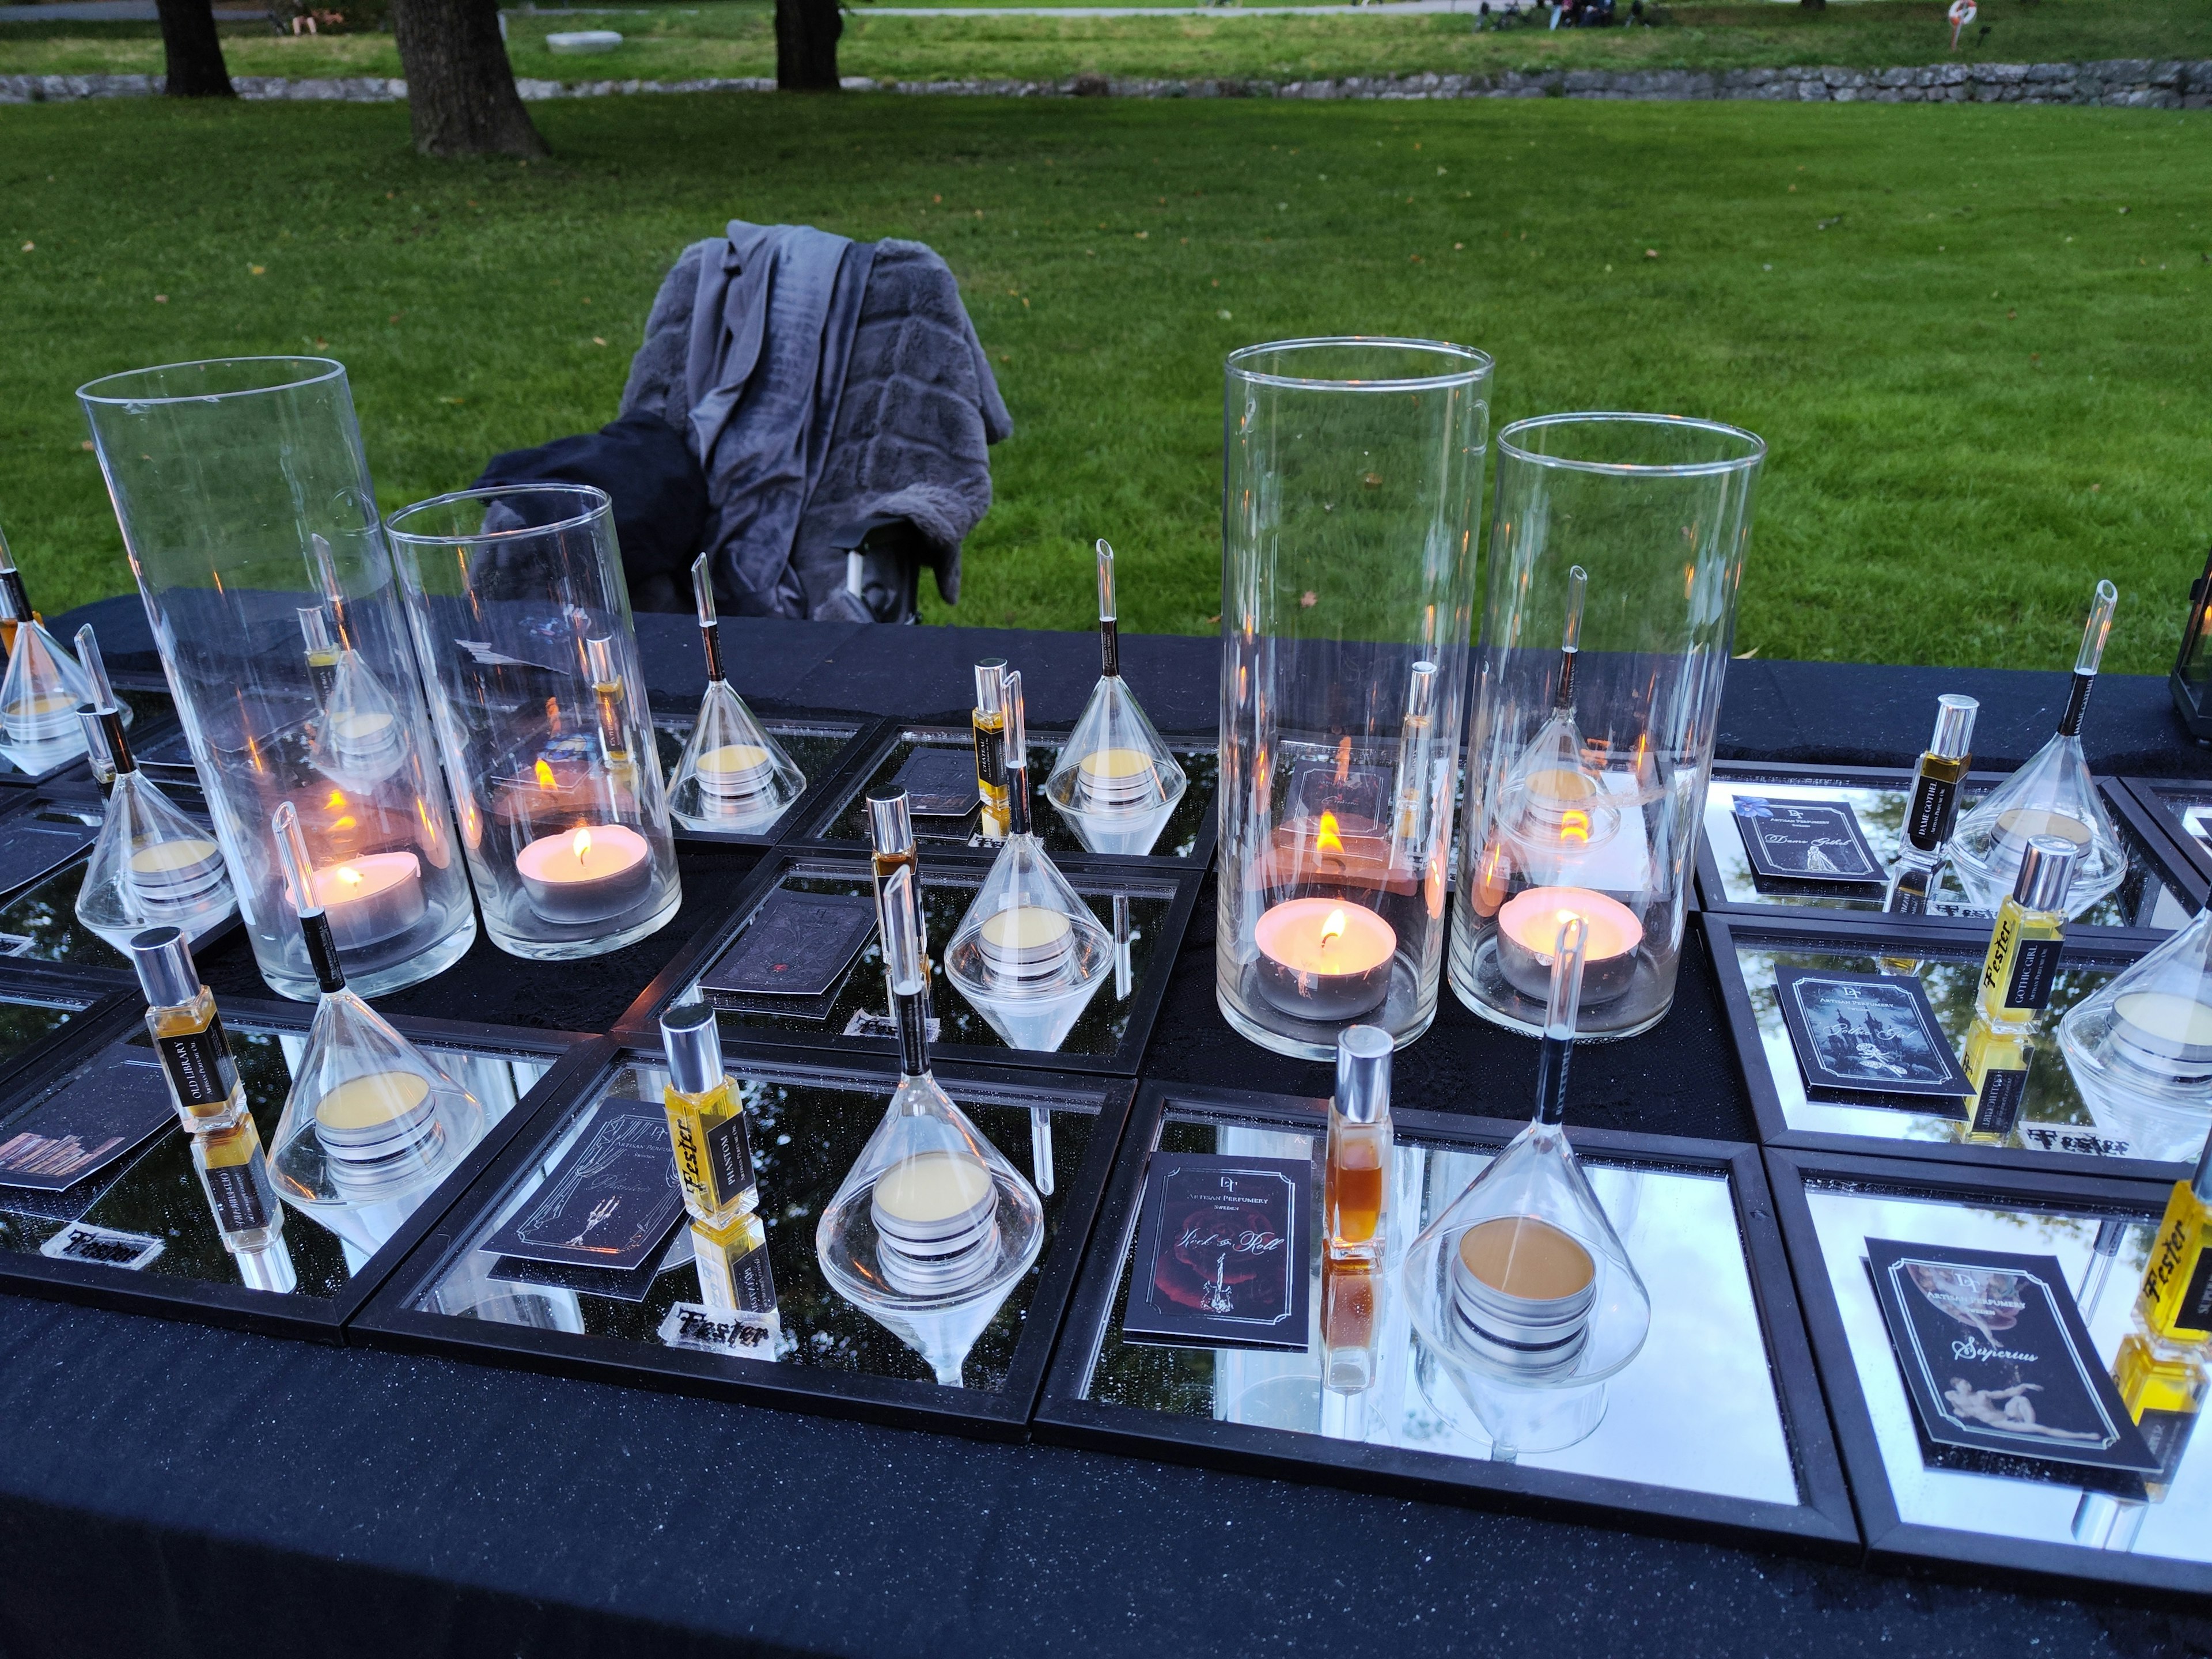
x=199 y=1065
x=236 y=1195
x=2035 y=969
x=991 y=756
x=1928 y=820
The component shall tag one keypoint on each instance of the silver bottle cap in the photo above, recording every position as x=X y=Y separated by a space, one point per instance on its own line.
x=890 y=822
x=163 y=959
x=2046 y=870
x=1362 y=1073
x=991 y=684
x=693 y=1043
x=1955 y=727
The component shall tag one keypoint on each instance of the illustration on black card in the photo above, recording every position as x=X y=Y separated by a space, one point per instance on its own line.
x=1867 y=1033
x=611 y=1202
x=940 y=782
x=1996 y=1359
x=100 y=1117
x=797 y=945
x=1818 y=842
x=1221 y=1254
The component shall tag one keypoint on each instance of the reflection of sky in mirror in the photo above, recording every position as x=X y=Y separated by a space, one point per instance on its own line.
x=2052 y=1104
x=1982 y=1503
x=1881 y=814
x=1695 y=1411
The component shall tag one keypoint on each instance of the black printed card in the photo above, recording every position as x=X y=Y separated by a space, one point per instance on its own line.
x=104 y=1115
x=33 y=847
x=1869 y=1034
x=1816 y=843
x=1221 y=1252
x=611 y=1200
x=1996 y=1359
x=939 y=783
x=797 y=946
x=618 y=1286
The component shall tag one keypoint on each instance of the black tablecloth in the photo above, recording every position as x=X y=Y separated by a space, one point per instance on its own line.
x=169 y=1489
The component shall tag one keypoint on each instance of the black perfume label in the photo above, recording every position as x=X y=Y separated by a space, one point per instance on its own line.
x=1935 y=802
x=1998 y=1108
x=2167 y=1434
x=2034 y=968
x=1995 y=1359
x=236 y=1197
x=991 y=756
x=2195 y=1311
x=199 y=1065
x=754 y=1283
x=730 y=1156
x=1868 y=1033
x=1221 y=1252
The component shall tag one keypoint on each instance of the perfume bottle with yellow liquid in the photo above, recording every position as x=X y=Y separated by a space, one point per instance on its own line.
x=2175 y=1301
x=2025 y=943
x=706 y=1119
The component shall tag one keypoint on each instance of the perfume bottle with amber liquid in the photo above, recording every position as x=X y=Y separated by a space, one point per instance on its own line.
x=187 y=1031
x=1356 y=1181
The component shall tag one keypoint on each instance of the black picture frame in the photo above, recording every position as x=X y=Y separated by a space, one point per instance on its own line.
x=639 y=1025
x=2156 y=805
x=233 y=1306
x=389 y=1320
x=1726 y=932
x=1823 y=1524
x=91 y=997
x=2189 y=883
x=1891 y=1542
x=858 y=733
x=818 y=826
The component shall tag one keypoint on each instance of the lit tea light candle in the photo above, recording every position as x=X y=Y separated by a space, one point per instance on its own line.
x=1026 y=945
x=1321 y=959
x=176 y=871
x=372 y=898
x=1522 y=1290
x=1528 y=926
x=1117 y=780
x=936 y=1216
x=590 y=874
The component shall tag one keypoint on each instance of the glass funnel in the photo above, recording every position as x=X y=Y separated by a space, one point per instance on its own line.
x=1521 y=1290
x=1116 y=784
x=731 y=775
x=2052 y=795
x=371 y=1123
x=931 y=1229
x=1028 y=954
x=2140 y=1049
x=151 y=866
x=39 y=727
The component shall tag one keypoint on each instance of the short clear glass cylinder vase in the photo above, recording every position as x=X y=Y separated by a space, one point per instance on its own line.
x=247 y=512
x=522 y=620
x=1616 y=547
x=1352 y=473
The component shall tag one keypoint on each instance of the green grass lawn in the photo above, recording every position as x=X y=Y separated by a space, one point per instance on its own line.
x=736 y=38
x=1975 y=337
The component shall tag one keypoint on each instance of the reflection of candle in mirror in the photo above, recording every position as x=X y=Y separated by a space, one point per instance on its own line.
x=1323 y=959
x=1528 y=926
x=589 y=874
x=372 y=898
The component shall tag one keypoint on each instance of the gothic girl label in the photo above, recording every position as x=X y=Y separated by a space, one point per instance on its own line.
x=1221 y=1252
x=1996 y=1359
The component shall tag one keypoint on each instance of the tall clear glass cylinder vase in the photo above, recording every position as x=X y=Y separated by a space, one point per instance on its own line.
x=1616 y=548
x=521 y=616
x=1352 y=473
x=247 y=512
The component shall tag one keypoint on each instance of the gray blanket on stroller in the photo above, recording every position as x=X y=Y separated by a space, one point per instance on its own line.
x=820 y=381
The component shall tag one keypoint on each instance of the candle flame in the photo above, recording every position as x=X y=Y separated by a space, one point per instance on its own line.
x=1333 y=929
x=349 y=822
x=581 y=844
x=1326 y=840
x=337 y=801
x=545 y=775
x=1575 y=826
x=348 y=875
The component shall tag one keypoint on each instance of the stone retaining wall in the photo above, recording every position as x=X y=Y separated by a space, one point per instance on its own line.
x=2130 y=82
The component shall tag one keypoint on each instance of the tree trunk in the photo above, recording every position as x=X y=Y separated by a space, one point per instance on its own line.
x=460 y=88
x=806 y=33
x=193 y=49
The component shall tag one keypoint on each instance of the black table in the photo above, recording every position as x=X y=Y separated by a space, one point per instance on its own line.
x=165 y=1488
